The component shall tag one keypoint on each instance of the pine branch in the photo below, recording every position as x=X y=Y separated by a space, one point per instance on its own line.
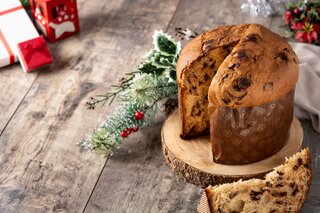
x=141 y=92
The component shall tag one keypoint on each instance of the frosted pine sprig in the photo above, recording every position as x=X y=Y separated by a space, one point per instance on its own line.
x=140 y=92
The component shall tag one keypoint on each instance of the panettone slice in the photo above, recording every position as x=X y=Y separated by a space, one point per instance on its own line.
x=283 y=190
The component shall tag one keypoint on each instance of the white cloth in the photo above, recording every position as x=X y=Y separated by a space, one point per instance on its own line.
x=307 y=94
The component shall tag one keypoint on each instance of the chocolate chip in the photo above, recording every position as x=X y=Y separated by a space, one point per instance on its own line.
x=194 y=76
x=225 y=76
x=299 y=161
x=205 y=65
x=255 y=195
x=212 y=65
x=279 y=202
x=206 y=77
x=307 y=165
x=268 y=86
x=273 y=210
x=292 y=185
x=268 y=184
x=241 y=83
x=280 y=173
x=253 y=37
x=279 y=185
x=233 y=194
x=282 y=56
x=242 y=55
x=234 y=66
x=295 y=191
x=282 y=194
x=285 y=49
x=226 y=101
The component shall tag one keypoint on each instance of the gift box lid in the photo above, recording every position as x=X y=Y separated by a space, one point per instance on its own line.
x=34 y=54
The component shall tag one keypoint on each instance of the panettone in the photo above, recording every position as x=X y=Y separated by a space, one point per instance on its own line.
x=237 y=82
x=284 y=189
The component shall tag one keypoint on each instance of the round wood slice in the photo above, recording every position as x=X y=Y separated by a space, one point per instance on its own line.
x=192 y=159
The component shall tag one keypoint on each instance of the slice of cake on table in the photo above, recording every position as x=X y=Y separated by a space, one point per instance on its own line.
x=237 y=82
x=283 y=190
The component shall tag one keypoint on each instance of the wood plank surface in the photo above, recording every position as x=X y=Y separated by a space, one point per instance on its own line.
x=42 y=168
x=15 y=85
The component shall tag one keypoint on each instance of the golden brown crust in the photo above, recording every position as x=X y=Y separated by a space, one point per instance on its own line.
x=261 y=68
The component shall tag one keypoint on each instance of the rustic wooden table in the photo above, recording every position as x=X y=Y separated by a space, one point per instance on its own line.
x=43 y=115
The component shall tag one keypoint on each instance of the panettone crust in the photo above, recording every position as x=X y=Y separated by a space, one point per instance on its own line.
x=258 y=67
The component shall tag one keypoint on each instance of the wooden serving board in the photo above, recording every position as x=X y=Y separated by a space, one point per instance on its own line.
x=192 y=159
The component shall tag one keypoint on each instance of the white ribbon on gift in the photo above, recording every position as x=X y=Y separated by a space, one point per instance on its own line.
x=16 y=27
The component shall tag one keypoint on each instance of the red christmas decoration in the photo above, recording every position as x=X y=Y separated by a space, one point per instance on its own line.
x=15 y=27
x=129 y=130
x=135 y=129
x=138 y=115
x=124 y=134
x=56 y=19
x=33 y=54
x=302 y=20
x=296 y=11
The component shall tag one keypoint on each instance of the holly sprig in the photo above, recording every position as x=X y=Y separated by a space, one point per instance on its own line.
x=141 y=93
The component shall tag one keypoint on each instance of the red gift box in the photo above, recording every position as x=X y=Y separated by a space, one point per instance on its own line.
x=34 y=54
x=56 y=19
x=15 y=27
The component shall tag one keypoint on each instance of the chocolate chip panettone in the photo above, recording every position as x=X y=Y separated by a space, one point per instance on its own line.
x=237 y=82
x=284 y=189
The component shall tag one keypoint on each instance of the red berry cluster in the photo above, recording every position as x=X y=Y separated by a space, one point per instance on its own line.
x=138 y=116
x=128 y=131
x=304 y=22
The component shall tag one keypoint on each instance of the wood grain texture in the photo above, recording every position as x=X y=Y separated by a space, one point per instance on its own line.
x=192 y=159
x=42 y=168
x=15 y=84
x=14 y=87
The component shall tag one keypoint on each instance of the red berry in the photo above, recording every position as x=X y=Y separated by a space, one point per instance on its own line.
x=124 y=134
x=135 y=129
x=138 y=115
x=129 y=130
x=296 y=10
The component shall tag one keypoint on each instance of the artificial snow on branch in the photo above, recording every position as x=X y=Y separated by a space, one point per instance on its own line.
x=141 y=94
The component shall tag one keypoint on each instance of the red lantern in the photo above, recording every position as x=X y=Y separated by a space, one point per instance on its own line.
x=56 y=19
